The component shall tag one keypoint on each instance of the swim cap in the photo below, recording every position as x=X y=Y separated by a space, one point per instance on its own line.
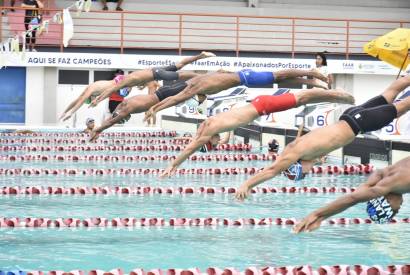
x=90 y=99
x=206 y=147
x=89 y=120
x=119 y=78
x=193 y=102
x=124 y=91
x=294 y=172
x=379 y=210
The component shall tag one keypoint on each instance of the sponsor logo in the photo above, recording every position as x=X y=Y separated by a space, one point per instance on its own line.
x=384 y=67
x=364 y=66
x=348 y=65
x=382 y=157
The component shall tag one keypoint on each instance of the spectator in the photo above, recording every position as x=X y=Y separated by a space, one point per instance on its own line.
x=90 y=123
x=105 y=7
x=32 y=19
x=273 y=147
x=12 y=3
x=321 y=65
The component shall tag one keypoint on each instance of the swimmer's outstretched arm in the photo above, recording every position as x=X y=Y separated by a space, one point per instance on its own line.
x=282 y=162
x=267 y=173
x=222 y=122
x=189 y=60
x=185 y=94
x=109 y=122
x=69 y=107
x=365 y=192
x=129 y=80
x=200 y=139
x=122 y=111
x=135 y=78
x=77 y=103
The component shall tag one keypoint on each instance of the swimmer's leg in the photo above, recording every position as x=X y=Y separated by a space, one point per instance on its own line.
x=292 y=73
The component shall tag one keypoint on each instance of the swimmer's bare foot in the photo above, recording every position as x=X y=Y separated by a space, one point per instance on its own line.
x=316 y=74
x=319 y=84
x=206 y=54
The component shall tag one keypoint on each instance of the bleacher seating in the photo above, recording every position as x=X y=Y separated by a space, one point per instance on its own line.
x=159 y=25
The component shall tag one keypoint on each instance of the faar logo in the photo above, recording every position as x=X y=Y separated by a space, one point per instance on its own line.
x=348 y=66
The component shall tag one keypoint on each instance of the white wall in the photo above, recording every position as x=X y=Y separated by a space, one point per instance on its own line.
x=35 y=96
x=399 y=155
x=368 y=86
x=50 y=94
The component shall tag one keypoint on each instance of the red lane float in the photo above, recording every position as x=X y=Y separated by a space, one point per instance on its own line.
x=282 y=270
x=136 y=171
x=345 y=170
x=172 y=222
x=65 y=141
x=124 y=171
x=59 y=272
x=89 y=148
x=88 y=157
x=105 y=134
x=151 y=190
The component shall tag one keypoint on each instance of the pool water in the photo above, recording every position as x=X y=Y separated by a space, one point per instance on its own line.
x=66 y=249
x=185 y=247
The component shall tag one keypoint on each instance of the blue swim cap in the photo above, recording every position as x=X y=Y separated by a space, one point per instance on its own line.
x=124 y=91
x=379 y=210
x=295 y=171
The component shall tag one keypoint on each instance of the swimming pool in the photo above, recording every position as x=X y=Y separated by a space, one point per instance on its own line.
x=183 y=247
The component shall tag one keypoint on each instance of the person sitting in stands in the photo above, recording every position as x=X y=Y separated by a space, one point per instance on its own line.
x=105 y=7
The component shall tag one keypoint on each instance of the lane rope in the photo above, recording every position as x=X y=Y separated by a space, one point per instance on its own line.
x=9 y=222
x=151 y=190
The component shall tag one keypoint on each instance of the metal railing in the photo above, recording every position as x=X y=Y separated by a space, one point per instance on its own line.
x=197 y=31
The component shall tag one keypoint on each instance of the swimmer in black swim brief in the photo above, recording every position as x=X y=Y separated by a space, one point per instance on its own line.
x=372 y=115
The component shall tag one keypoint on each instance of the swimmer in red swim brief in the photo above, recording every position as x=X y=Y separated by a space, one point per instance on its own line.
x=261 y=105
